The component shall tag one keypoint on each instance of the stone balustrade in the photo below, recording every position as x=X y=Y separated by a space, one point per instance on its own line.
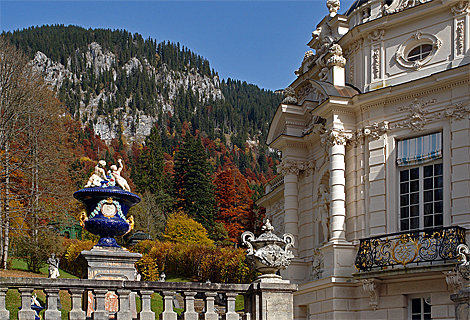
x=256 y=296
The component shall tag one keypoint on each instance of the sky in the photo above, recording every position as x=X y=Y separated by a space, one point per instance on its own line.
x=260 y=42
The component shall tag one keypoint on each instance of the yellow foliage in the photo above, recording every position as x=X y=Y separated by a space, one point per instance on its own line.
x=180 y=228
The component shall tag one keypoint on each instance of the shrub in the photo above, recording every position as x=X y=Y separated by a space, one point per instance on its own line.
x=71 y=253
x=181 y=228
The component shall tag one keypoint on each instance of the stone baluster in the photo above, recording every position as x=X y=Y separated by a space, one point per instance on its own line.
x=100 y=312
x=76 y=298
x=189 y=312
x=124 y=312
x=26 y=313
x=52 y=313
x=230 y=313
x=210 y=312
x=4 y=313
x=146 y=313
x=168 y=312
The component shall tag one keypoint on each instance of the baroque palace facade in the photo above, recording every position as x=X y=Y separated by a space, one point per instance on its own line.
x=375 y=172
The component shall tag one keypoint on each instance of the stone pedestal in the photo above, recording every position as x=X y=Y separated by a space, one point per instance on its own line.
x=271 y=298
x=109 y=263
x=338 y=259
x=462 y=304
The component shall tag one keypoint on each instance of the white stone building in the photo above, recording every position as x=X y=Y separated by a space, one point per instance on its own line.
x=375 y=171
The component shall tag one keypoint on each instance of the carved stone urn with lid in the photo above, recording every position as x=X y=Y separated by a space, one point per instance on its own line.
x=268 y=253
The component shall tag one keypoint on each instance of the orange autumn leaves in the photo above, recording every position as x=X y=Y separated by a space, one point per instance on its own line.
x=235 y=206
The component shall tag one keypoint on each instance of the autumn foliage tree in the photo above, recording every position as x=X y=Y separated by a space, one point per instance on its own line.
x=235 y=207
x=182 y=229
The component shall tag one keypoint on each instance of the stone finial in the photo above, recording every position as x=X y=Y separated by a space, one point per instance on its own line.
x=289 y=94
x=333 y=7
x=337 y=58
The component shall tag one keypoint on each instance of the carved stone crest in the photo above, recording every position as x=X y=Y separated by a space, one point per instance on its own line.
x=417 y=115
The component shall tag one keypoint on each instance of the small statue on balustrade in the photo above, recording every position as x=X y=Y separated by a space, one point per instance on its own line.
x=323 y=210
x=53 y=263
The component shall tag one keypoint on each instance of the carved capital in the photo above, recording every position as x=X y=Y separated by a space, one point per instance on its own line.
x=335 y=137
x=372 y=287
x=291 y=167
x=373 y=132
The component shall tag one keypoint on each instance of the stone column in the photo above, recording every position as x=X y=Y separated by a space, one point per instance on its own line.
x=124 y=312
x=230 y=313
x=100 y=312
x=168 y=312
x=26 y=312
x=210 y=312
x=189 y=312
x=290 y=171
x=146 y=313
x=335 y=140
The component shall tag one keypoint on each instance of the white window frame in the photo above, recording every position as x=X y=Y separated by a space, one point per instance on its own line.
x=421 y=195
x=424 y=299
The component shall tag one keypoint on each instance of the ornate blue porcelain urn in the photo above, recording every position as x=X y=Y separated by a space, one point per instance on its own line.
x=107 y=205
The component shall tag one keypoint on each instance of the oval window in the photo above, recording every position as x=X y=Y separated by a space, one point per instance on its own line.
x=420 y=52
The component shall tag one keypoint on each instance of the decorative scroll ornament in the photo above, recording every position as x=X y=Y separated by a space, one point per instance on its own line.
x=333 y=7
x=376 y=35
x=400 y=5
x=309 y=59
x=454 y=280
x=459 y=112
x=337 y=58
x=268 y=253
x=289 y=94
x=305 y=91
x=296 y=168
x=373 y=132
x=318 y=264
x=324 y=38
x=354 y=47
x=316 y=125
x=372 y=288
x=417 y=115
x=461 y=8
x=464 y=256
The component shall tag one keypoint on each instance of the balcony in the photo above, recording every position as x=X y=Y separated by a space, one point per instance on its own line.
x=410 y=248
x=274 y=183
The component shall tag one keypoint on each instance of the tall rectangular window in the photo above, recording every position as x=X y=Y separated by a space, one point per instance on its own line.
x=420 y=182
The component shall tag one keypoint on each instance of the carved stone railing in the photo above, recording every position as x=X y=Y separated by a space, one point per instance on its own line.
x=438 y=245
x=274 y=183
x=252 y=293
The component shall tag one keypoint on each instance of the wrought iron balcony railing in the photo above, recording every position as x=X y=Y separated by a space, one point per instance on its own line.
x=438 y=245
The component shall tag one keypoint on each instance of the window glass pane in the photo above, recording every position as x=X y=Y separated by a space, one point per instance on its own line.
x=438 y=169
x=438 y=182
x=404 y=212
x=426 y=48
x=427 y=183
x=428 y=171
x=428 y=196
x=438 y=194
x=414 y=223
x=438 y=207
x=414 y=211
x=428 y=208
x=438 y=220
x=404 y=200
x=427 y=307
x=416 y=305
x=404 y=225
x=414 y=198
x=428 y=221
x=415 y=317
x=404 y=175
x=414 y=186
x=404 y=188
x=414 y=173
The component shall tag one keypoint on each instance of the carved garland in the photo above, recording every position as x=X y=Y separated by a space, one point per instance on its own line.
x=461 y=8
x=417 y=116
x=460 y=37
x=376 y=62
x=288 y=166
x=372 y=287
x=376 y=35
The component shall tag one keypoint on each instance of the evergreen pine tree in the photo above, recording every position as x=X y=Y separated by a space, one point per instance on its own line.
x=192 y=183
x=149 y=173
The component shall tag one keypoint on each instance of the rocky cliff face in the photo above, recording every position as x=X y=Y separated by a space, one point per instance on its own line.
x=134 y=126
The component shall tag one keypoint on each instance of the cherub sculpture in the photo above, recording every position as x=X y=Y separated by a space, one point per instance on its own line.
x=116 y=172
x=98 y=175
